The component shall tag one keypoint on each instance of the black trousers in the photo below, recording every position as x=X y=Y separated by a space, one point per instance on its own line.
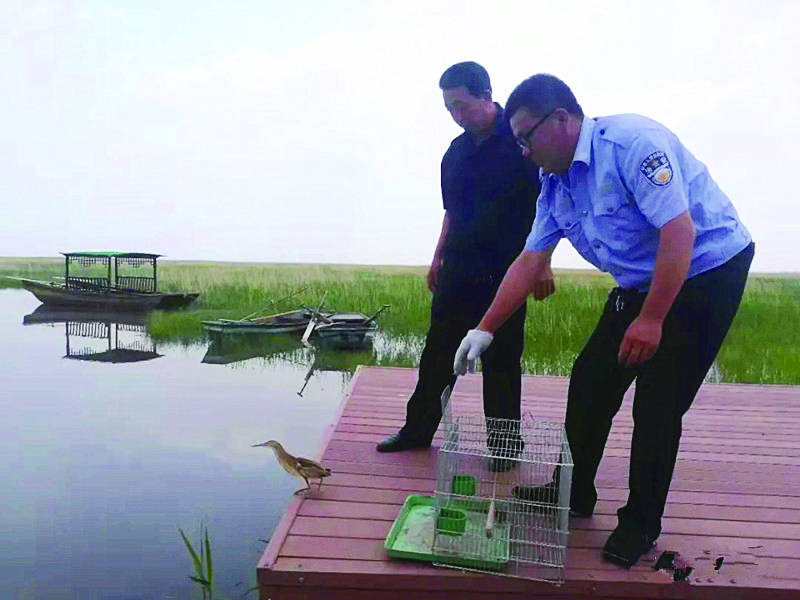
x=459 y=302
x=666 y=385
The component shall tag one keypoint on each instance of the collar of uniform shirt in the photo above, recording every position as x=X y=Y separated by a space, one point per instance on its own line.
x=583 y=149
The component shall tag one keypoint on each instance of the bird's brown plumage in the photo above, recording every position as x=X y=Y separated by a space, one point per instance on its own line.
x=298 y=466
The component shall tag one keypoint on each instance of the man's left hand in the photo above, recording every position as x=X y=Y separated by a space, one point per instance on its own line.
x=640 y=342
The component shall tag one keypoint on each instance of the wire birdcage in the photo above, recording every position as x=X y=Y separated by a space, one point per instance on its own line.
x=502 y=496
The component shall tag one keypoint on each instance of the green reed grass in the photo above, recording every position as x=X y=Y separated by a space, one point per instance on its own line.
x=761 y=347
x=233 y=291
x=203 y=567
x=762 y=344
x=29 y=268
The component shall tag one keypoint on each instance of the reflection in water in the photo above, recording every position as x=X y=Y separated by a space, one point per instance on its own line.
x=273 y=348
x=100 y=464
x=226 y=349
x=99 y=336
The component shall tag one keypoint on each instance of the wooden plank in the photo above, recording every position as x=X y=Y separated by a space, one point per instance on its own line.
x=463 y=404
x=783 y=531
x=413 y=479
x=584 y=552
x=688 y=477
x=348 y=510
x=689 y=428
x=474 y=404
x=742 y=444
x=326 y=593
x=637 y=592
x=641 y=581
x=411 y=575
x=326 y=526
x=701 y=438
x=366 y=489
x=395 y=498
x=472 y=401
x=606 y=522
x=356 y=450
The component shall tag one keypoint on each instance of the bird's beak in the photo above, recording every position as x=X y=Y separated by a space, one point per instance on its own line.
x=257 y=445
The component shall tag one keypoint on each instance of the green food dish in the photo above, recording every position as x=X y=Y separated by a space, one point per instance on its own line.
x=463 y=485
x=451 y=521
x=413 y=532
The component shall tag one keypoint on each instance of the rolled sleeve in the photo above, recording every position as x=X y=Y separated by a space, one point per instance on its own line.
x=545 y=232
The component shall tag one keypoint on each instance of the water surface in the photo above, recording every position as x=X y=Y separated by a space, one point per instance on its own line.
x=103 y=459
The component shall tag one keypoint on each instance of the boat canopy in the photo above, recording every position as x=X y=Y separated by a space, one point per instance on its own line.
x=114 y=254
x=113 y=281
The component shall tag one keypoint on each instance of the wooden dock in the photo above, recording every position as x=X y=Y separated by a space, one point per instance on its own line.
x=735 y=496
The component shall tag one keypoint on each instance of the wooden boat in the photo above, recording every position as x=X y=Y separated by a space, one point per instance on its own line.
x=346 y=330
x=295 y=321
x=333 y=329
x=111 y=292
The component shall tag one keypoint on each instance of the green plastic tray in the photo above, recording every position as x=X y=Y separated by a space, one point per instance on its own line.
x=412 y=535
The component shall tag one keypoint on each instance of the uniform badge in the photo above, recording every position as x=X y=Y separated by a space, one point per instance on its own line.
x=657 y=169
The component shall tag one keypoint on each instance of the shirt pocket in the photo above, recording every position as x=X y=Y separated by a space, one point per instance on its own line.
x=567 y=219
x=618 y=222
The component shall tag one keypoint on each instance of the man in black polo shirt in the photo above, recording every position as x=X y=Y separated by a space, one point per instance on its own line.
x=489 y=192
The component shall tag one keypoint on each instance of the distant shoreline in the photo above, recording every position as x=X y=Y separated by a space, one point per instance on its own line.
x=6 y=260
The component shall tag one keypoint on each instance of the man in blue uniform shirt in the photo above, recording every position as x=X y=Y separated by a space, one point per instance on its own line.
x=489 y=194
x=634 y=202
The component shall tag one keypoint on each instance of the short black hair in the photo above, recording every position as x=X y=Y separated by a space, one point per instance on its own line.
x=468 y=74
x=540 y=94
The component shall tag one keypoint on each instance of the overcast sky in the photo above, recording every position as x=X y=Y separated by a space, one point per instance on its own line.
x=312 y=131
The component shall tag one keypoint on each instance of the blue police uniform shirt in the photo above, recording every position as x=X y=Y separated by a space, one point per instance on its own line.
x=630 y=176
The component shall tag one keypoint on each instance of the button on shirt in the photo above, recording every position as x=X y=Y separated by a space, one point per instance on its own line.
x=490 y=193
x=629 y=177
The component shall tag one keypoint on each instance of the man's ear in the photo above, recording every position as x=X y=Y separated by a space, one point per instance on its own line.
x=487 y=95
x=561 y=114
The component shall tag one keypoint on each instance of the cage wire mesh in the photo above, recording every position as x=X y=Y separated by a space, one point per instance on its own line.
x=502 y=496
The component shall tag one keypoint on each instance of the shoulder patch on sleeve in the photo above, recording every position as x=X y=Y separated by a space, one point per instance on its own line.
x=657 y=169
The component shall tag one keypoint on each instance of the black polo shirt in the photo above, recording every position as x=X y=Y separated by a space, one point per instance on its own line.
x=490 y=192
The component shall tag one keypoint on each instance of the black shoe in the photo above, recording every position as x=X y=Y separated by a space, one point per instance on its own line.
x=626 y=545
x=399 y=442
x=548 y=494
x=505 y=449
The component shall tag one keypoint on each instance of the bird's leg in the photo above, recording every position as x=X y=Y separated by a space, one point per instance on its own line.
x=305 y=489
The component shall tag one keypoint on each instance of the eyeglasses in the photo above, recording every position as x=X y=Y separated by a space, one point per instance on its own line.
x=524 y=140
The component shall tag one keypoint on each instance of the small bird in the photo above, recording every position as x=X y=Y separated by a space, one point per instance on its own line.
x=297 y=466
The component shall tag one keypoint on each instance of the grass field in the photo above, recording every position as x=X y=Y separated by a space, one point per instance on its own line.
x=761 y=347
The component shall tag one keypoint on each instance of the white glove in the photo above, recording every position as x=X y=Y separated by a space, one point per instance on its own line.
x=472 y=346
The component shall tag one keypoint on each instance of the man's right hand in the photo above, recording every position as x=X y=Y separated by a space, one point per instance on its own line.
x=472 y=346
x=545 y=284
